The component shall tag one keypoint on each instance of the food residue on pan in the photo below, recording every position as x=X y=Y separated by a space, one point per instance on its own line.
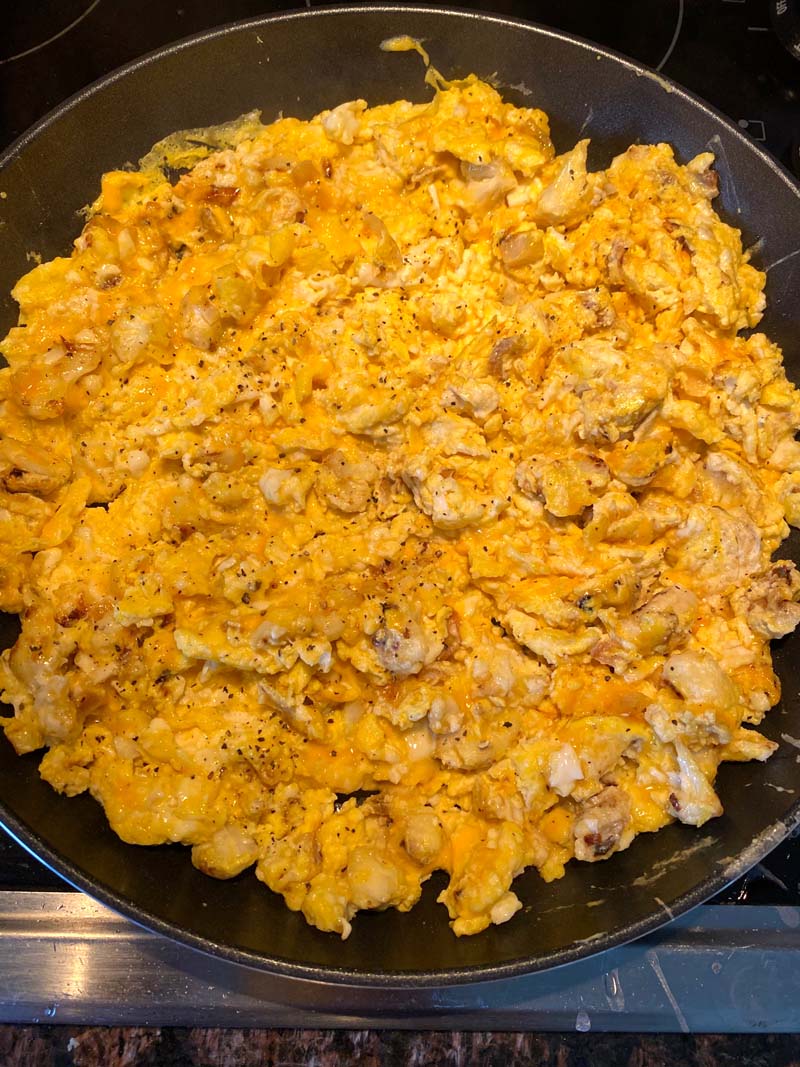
x=389 y=494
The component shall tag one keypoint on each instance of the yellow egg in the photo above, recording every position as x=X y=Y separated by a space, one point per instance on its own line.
x=392 y=495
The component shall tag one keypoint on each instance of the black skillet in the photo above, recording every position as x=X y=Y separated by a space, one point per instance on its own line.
x=300 y=64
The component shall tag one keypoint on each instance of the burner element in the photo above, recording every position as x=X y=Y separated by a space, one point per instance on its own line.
x=27 y=28
x=786 y=20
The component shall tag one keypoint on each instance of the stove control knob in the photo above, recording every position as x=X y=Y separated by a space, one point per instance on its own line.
x=786 y=20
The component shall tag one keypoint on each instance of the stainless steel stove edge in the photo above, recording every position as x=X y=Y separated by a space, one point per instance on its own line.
x=64 y=958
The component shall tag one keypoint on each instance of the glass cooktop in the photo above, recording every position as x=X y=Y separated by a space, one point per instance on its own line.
x=743 y=56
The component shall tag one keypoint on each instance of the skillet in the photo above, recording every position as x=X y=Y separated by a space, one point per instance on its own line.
x=299 y=64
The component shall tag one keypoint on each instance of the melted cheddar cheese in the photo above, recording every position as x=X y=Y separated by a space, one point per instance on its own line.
x=388 y=494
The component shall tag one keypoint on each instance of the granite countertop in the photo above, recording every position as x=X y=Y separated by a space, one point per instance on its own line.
x=68 y=1046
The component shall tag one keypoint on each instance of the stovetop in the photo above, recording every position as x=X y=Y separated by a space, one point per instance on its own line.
x=737 y=54
x=743 y=56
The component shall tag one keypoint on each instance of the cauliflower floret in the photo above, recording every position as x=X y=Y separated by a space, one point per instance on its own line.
x=346 y=483
x=700 y=680
x=343 y=123
x=564 y=770
x=452 y=503
x=748 y=745
x=567 y=199
x=693 y=800
x=227 y=853
x=200 y=321
x=423 y=837
x=286 y=488
x=405 y=651
x=716 y=549
x=567 y=485
x=551 y=644
x=479 y=399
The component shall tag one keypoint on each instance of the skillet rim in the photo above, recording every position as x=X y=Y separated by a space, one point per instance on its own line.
x=768 y=839
x=11 y=151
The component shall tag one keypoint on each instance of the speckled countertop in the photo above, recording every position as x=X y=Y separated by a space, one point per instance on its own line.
x=63 y=1046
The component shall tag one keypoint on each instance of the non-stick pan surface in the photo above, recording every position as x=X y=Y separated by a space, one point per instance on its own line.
x=300 y=64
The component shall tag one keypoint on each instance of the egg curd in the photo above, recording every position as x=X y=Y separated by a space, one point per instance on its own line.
x=386 y=494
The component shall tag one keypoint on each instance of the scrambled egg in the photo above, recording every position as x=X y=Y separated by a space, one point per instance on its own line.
x=386 y=494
